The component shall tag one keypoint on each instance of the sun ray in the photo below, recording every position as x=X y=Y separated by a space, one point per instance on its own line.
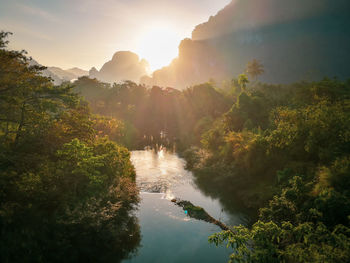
x=159 y=44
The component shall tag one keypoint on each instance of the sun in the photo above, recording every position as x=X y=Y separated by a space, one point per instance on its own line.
x=158 y=44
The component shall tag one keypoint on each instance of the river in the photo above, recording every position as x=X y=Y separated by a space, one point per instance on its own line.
x=168 y=234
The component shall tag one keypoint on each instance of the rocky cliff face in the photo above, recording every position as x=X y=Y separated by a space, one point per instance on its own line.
x=300 y=39
x=124 y=65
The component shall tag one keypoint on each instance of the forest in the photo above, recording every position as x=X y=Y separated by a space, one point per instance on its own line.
x=66 y=191
x=280 y=151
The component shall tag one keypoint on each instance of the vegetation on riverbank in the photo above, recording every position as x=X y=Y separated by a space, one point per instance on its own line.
x=284 y=150
x=281 y=150
x=66 y=191
x=155 y=115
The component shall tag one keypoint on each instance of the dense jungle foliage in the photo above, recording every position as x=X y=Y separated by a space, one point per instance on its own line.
x=66 y=191
x=280 y=150
x=285 y=150
x=155 y=115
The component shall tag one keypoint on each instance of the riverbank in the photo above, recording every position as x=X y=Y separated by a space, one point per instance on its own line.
x=166 y=227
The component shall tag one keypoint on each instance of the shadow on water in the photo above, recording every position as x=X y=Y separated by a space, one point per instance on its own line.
x=166 y=227
x=210 y=182
x=160 y=170
x=213 y=183
x=38 y=239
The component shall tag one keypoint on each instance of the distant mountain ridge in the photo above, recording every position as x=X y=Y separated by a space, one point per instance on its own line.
x=59 y=75
x=78 y=72
x=68 y=74
x=300 y=39
x=294 y=40
x=62 y=74
x=124 y=65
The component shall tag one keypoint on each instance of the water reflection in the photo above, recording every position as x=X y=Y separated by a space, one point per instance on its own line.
x=224 y=192
x=163 y=172
x=159 y=171
x=168 y=234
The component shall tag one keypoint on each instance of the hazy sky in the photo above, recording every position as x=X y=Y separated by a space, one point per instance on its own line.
x=86 y=33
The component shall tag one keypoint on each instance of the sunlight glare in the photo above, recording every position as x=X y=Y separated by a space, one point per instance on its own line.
x=159 y=45
x=161 y=154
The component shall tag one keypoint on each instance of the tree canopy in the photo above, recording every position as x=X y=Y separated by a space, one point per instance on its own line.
x=64 y=185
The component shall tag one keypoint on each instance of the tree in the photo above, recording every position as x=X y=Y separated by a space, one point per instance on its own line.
x=243 y=81
x=254 y=69
x=28 y=100
x=62 y=186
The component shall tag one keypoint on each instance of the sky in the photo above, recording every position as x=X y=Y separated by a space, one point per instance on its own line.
x=86 y=33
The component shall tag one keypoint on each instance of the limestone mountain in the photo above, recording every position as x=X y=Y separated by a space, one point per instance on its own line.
x=59 y=75
x=62 y=74
x=68 y=74
x=300 y=39
x=124 y=65
x=78 y=72
x=47 y=73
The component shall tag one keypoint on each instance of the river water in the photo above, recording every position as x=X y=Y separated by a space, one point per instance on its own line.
x=168 y=234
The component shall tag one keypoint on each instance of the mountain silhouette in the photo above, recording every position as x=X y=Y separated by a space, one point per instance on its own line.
x=124 y=65
x=294 y=40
